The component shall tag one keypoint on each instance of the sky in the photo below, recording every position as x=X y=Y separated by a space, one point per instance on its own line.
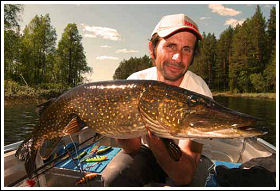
x=115 y=32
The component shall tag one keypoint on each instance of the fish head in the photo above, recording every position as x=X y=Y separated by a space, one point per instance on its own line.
x=202 y=117
x=177 y=113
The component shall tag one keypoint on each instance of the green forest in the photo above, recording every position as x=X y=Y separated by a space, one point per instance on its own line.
x=32 y=58
x=242 y=59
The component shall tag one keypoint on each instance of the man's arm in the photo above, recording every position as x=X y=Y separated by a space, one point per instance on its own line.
x=129 y=146
x=182 y=171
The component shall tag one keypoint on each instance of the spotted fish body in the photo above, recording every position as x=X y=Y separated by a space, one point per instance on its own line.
x=122 y=109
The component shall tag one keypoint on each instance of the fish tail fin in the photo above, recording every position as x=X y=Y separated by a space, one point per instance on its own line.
x=27 y=152
x=24 y=149
x=30 y=165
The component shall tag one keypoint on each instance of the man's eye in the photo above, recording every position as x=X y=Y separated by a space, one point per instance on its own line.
x=171 y=46
x=187 y=49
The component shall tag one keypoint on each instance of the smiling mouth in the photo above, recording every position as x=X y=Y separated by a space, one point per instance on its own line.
x=174 y=67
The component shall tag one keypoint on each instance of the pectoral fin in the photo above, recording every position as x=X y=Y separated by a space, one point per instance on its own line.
x=74 y=126
x=173 y=149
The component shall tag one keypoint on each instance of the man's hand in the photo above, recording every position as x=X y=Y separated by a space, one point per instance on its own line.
x=129 y=146
x=182 y=171
x=156 y=145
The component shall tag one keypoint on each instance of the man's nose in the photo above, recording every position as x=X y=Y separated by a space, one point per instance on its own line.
x=177 y=57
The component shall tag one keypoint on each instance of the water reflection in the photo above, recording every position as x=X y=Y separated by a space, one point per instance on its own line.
x=19 y=121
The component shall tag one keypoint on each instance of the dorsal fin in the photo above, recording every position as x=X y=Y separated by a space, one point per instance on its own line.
x=41 y=108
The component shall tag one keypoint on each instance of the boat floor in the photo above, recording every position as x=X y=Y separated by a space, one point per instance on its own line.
x=223 y=150
x=69 y=177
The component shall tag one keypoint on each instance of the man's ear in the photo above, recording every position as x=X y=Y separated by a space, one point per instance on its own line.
x=151 y=50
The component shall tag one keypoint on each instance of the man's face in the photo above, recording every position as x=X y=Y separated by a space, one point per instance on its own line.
x=174 y=55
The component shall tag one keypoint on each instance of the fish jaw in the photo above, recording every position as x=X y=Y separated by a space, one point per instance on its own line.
x=226 y=133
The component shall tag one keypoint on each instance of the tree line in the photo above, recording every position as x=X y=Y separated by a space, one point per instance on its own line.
x=31 y=58
x=243 y=59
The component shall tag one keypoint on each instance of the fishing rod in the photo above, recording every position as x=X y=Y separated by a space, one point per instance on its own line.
x=53 y=160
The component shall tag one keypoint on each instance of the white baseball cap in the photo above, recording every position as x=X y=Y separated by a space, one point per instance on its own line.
x=171 y=23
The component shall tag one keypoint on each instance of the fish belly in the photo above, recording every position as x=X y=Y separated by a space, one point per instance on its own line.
x=115 y=113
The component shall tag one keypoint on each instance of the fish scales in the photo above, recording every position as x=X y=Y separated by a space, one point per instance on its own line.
x=121 y=109
x=113 y=109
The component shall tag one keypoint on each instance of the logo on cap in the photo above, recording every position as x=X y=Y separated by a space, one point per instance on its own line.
x=190 y=24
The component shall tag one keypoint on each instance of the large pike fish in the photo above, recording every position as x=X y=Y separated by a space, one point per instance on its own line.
x=123 y=110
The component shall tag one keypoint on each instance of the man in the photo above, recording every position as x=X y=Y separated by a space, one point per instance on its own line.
x=172 y=48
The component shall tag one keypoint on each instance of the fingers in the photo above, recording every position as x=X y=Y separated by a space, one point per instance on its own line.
x=152 y=137
x=153 y=141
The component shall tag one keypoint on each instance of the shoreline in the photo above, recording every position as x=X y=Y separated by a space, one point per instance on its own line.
x=38 y=100
x=9 y=101
x=271 y=96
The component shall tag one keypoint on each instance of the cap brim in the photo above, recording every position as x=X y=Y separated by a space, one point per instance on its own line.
x=167 y=32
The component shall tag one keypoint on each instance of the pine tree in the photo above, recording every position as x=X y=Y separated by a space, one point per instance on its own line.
x=257 y=42
x=238 y=67
x=224 y=52
x=270 y=70
x=204 y=63
x=71 y=59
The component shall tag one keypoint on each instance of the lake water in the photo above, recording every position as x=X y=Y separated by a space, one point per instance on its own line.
x=20 y=119
x=262 y=108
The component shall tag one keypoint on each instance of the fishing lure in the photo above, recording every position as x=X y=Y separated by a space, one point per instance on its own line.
x=104 y=150
x=96 y=159
x=87 y=178
x=65 y=157
x=80 y=155
x=92 y=165
x=94 y=149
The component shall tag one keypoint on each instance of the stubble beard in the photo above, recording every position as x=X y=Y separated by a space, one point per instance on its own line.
x=173 y=78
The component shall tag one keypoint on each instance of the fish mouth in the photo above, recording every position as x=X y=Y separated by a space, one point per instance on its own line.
x=223 y=133
x=255 y=126
x=260 y=130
